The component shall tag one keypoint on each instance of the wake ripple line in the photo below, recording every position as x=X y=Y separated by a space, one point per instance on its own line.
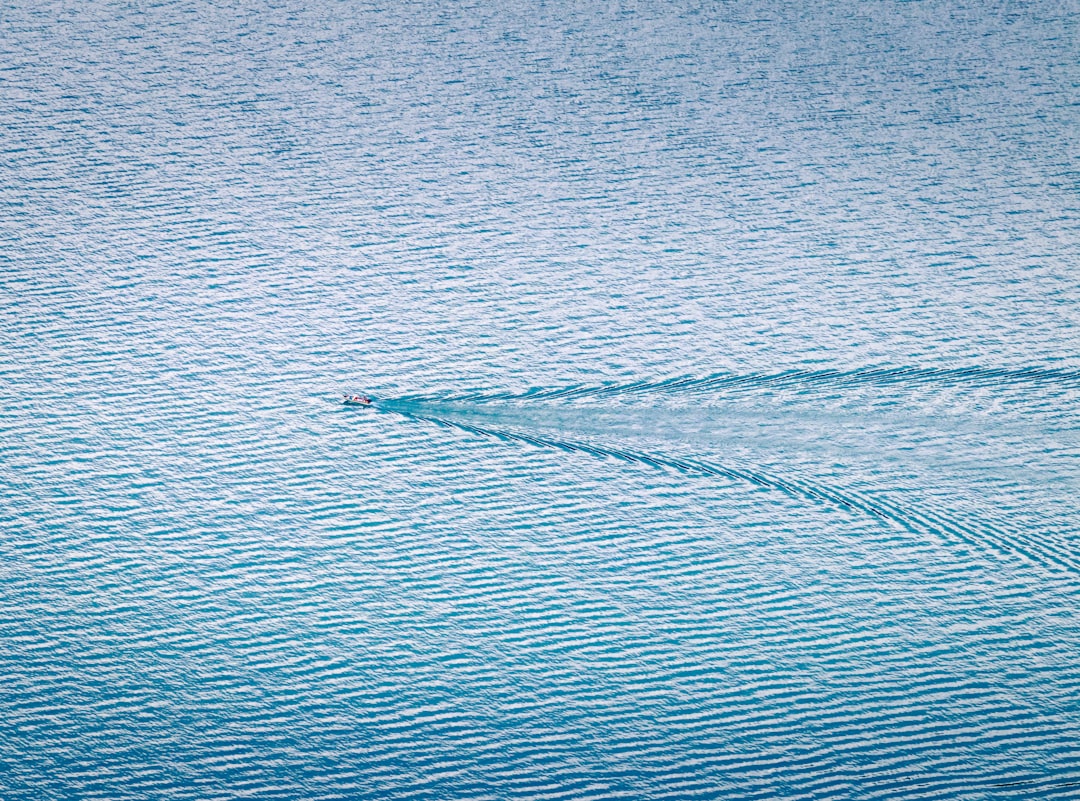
x=883 y=376
x=916 y=521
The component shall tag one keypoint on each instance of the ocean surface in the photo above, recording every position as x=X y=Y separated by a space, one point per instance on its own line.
x=726 y=366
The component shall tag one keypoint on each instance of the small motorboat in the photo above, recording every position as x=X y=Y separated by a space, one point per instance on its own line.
x=357 y=400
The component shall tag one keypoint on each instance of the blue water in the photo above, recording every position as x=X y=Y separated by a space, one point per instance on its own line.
x=727 y=374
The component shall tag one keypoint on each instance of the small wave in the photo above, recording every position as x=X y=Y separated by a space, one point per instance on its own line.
x=916 y=521
x=881 y=376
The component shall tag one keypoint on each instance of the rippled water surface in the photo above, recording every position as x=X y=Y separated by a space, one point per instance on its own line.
x=725 y=363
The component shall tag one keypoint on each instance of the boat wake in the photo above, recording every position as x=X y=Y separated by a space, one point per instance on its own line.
x=922 y=522
x=998 y=377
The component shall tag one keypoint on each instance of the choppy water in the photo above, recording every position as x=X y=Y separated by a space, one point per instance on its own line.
x=726 y=371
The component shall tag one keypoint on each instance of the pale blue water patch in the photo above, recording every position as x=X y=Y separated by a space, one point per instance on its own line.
x=725 y=437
